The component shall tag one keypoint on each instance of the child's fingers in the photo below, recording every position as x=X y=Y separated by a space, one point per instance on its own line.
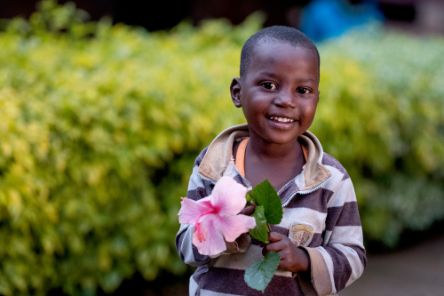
x=276 y=236
x=248 y=210
x=274 y=247
x=291 y=258
x=277 y=243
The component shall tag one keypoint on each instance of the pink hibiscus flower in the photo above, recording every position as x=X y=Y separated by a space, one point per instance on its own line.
x=216 y=218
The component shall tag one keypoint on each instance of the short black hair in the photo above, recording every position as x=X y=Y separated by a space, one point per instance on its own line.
x=281 y=33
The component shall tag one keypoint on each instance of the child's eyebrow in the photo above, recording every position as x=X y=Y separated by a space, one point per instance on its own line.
x=307 y=80
x=273 y=75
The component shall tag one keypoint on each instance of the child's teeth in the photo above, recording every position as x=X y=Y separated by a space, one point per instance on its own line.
x=281 y=119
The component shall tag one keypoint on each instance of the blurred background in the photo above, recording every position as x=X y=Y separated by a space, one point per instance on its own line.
x=105 y=104
x=415 y=16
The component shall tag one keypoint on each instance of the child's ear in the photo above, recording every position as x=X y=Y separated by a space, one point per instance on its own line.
x=235 y=89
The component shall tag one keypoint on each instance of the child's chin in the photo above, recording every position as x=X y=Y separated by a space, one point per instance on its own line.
x=283 y=139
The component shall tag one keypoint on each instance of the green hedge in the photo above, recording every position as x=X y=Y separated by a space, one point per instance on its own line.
x=100 y=124
x=99 y=127
x=382 y=114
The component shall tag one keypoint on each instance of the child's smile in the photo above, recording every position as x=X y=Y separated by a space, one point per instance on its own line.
x=279 y=92
x=281 y=122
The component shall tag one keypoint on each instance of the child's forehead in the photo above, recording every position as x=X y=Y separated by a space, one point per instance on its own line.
x=266 y=51
x=277 y=56
x=274 y=50
x=269 y=45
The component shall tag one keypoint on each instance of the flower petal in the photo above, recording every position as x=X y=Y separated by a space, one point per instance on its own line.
x=207 y=238
x=229 y=196
x=232 y=227
x=191 y=210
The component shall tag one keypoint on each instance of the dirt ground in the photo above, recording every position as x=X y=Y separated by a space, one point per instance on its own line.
x=415 y=271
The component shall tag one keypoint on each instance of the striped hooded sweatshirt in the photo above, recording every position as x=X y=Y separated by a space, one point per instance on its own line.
x=320 y=214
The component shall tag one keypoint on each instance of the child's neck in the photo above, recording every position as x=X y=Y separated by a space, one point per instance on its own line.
x=276 y=163
x=270 y=151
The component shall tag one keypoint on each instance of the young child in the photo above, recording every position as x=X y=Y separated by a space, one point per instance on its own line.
x=320 y=238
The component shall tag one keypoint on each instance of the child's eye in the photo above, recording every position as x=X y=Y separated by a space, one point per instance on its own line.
x=269 y=85
x=303 y=90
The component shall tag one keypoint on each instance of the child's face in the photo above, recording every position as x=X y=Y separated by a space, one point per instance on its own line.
x=279 y=92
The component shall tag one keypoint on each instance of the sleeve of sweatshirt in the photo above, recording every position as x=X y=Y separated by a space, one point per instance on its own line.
x=342 y=258
x=197 y=189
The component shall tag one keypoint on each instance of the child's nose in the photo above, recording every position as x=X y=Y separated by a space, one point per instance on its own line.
x=285 y=99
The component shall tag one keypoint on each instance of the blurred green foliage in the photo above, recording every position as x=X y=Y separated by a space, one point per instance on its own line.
x=100 y=124
x=381 y=114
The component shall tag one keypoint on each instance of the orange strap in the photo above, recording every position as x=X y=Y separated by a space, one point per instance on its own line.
x=240 y=156
x=305 y=152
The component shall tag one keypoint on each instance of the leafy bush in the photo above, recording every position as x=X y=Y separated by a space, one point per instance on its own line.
x=100 y=124
x=99 y=127
x=382 y=114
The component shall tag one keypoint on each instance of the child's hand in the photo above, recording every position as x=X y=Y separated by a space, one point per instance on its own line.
x=248 y=210
x=293 y=259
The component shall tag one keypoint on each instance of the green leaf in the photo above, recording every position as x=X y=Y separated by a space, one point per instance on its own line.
x=263 y=194
x=260 y=232
x=259 y=274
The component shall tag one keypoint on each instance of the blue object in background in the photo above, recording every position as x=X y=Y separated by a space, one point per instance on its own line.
x=325 y=19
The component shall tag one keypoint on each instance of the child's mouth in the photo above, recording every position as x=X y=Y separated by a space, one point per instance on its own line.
x=281 y=119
